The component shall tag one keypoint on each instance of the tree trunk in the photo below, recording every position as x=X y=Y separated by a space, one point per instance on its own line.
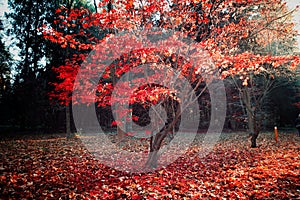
x=253 y=139
x=250 y=112
x=68 y=122
x=155 y=144
x=253 y=126
x=173 y=121
x=251 y=123
x=120 y=135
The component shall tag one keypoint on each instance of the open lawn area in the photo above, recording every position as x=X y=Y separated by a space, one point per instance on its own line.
x=52 y=167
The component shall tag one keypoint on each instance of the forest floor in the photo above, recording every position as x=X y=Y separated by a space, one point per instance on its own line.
x=52 y=167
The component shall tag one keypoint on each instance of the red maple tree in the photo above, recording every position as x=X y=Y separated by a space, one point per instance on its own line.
x=232 y=31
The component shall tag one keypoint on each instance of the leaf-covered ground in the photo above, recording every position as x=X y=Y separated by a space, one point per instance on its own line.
x=51 y=167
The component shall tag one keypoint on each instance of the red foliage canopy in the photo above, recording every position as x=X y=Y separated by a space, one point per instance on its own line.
x=228 y=30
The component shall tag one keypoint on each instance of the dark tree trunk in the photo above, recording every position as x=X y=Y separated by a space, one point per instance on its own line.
x=253 y=139
x=254 y=128
x=155 y=144
x=69 y=133
x=253 y=124
x=173 y=121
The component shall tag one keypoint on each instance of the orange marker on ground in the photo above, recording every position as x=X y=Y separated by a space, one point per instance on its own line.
x=276 y=133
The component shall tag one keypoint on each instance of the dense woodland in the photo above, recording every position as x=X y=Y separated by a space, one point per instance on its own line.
x=27 y=83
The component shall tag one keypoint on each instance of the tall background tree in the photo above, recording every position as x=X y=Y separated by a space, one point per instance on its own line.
x=5 y=81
